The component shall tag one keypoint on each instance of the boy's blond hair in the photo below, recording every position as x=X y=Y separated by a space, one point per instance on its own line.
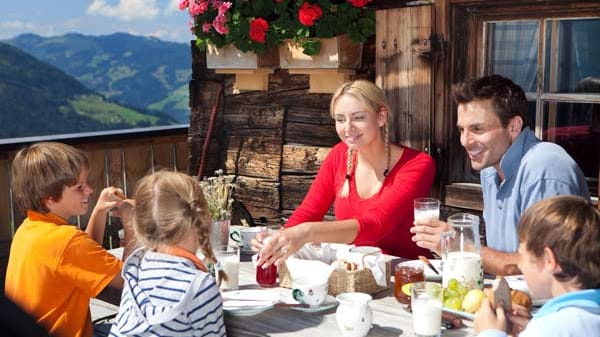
x=42 y=171
x=168 y=206
x=570 y=227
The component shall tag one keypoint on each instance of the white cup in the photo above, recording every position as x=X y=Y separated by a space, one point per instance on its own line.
x=243 y=236
x=426 y=304
x=310 y=292
x=228 y=259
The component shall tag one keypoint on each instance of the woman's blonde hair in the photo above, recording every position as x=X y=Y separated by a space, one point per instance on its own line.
x=374 y=97
x=168 y=205
x=570 y=226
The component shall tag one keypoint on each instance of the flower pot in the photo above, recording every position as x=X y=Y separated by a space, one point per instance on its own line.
x=251 y=70
x=219 y=235
x=327 y=70
x=337 y=52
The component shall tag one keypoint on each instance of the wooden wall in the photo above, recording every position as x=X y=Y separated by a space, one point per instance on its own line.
x=273 y=141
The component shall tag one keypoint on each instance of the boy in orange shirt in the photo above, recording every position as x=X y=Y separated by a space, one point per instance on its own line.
x=55 y=268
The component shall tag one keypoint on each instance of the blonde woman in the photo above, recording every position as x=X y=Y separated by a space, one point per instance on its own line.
x=167 y=288
x=370 y=182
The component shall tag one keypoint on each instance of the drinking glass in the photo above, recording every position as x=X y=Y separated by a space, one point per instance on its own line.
x=426 y=304
x=266 y=277
x=404 y=273
x=228 y=260
x=427 y=208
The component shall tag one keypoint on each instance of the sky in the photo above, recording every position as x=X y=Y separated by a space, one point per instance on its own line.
x=158 y=18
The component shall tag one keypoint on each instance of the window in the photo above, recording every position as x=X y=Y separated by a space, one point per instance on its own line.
x=561 y=76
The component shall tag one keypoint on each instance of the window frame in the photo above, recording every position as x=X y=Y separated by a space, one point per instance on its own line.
x=468 y=60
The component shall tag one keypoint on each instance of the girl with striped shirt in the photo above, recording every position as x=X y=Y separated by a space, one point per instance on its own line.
x=168 y=291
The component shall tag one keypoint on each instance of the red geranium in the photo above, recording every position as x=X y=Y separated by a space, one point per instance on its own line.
x=359 y=3
x=258 y=30
x=308 y=13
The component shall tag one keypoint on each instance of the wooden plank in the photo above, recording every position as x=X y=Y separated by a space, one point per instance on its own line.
x=299 y=114
x=308 y=134
x=137 y=164
x=253 y=117
x=463 y=195
x=258 y=195
x=254 y=156
x=303 y=158
x=96 y=180
x=182 y=154
x=163 y=157
x=293 y=190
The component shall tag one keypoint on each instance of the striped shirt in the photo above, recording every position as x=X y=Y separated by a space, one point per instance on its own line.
x=165 y=295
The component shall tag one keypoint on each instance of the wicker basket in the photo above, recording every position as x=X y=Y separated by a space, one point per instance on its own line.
x=341 y=281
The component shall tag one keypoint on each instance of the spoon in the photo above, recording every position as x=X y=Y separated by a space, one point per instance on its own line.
x=426 y=262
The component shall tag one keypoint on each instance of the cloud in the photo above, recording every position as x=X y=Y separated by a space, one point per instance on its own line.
x=172 y=7
x=20 y=25
x=126 y=10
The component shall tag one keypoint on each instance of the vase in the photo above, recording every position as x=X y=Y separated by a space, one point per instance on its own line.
x=251 y=70
x=219 y=235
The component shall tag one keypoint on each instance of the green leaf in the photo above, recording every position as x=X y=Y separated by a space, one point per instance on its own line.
x=311 y=47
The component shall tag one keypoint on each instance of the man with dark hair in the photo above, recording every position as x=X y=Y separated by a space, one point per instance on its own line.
x=517 y=169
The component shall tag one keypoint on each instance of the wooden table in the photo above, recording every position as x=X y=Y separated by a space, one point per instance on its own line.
x=389 y=317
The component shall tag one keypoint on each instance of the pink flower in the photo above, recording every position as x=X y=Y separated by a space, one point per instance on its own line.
x=258 y=30
x=219 y=24
x=206 y=27
x=224 y=7
x=198 y=7
x=308 y=13
x=183 y=4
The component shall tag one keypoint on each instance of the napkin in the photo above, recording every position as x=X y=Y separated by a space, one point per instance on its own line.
x=329 y=252
x=309 y=271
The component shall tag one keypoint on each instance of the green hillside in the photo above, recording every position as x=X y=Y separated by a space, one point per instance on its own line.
x=133 y=70
x=38 y=99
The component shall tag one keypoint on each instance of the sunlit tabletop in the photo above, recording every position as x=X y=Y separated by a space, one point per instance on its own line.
x=389 y=316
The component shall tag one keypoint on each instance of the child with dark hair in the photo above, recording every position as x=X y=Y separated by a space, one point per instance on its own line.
x=168 y=290
x=559 y=256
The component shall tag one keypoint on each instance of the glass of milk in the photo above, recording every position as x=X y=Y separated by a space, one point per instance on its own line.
x=228 y=260
x=426 y=304
x=427 y=209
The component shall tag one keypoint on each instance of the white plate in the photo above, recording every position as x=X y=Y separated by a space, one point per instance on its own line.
x=249 y=302
x=328 y=303
x=518 y=282
x=462 y=314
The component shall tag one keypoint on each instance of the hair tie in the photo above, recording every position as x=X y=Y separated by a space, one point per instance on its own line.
x=195 y=206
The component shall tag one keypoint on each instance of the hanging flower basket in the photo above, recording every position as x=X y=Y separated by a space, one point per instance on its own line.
x=251 y=69
x=328 y=69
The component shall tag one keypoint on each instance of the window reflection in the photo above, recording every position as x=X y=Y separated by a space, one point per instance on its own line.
x=572 y=53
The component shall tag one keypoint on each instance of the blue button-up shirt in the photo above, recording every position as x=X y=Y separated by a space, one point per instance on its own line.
x=533 y=170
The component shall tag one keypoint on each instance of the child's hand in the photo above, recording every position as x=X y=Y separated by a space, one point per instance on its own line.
x=486 y=318
x=110 y=197
x=519 y=317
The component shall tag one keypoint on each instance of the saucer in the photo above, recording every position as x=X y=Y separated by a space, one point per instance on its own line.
x=330 y=302
x=249 y=302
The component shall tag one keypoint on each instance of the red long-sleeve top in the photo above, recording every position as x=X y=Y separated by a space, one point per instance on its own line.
x=386 y=217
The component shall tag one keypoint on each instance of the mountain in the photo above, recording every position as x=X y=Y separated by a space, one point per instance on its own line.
x=137 y=71
x=39 y=99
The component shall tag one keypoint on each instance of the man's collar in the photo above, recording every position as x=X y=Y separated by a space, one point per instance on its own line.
x=512 y=157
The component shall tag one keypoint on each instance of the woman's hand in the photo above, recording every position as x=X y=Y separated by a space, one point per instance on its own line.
x=428 y=234
x=486 y=318
x=281 y=245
